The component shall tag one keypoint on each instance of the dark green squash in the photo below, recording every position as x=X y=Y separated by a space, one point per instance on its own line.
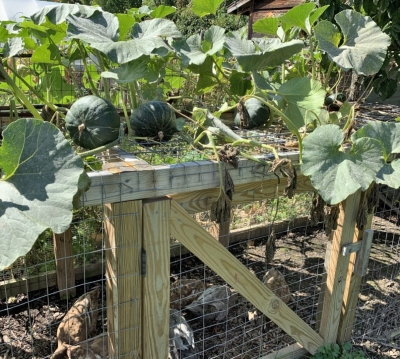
x=258 y=114
x=92 y=122
x=155 y=120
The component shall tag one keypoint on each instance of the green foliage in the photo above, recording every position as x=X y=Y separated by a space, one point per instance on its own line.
x=118 y=6
x=189 y=23
x=334 y=351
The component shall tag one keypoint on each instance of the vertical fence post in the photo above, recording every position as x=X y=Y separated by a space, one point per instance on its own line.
x=123 y=244
x=338 y=267
x=156 y=285
x=352 y=289
x=63 y=254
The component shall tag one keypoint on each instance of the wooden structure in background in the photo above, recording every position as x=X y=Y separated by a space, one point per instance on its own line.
x=259 y=9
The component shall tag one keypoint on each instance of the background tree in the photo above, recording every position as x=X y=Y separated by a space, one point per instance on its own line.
x=118 y=6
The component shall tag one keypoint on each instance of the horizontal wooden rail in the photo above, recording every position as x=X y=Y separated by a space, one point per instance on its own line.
x=128 y=178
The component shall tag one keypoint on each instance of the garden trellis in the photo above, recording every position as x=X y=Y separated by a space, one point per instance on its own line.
x=154 y=228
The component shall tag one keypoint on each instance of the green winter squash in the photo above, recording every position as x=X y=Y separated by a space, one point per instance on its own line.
x=92 y=122
x=154 y=119
x=258 y=114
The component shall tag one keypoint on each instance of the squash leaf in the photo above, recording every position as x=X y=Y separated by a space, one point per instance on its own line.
x=304 y=98
x=335 y=173
x=260 y=53
x=101 y=32
x=41 y=173
x=194 y=50
x=363 y=47
x=205 y=7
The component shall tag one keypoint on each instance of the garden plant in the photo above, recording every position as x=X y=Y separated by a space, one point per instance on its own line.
x=141 y=55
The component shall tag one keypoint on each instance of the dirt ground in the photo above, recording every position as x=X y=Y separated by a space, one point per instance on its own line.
x=28 y=325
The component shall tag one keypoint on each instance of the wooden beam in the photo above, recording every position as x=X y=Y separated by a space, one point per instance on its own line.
x=123 y=244
x=229 y=268
x=11 y=288
x=337 y=268
x=156 y=288
x=200 y=201
x=63 y=255
x=132 y=179
x=352 y=289
x=294 y=351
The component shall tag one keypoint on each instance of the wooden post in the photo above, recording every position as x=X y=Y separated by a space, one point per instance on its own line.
x=156 y=288
x=338 y=267
x=223 y=235
x=63 y=254
x=123 y=244
x=352 y=289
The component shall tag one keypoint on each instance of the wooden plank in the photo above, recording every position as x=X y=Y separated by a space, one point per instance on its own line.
x=252 y=232
x=352 y=289
x=11 y=288
x=337 y=268
x=200 y=201
x=223 y=233
x=275 y=4
x=133 y=182
x=229 y=268
x=156 y=243
x=293 y=351
x=123 y=244
x=63 y=255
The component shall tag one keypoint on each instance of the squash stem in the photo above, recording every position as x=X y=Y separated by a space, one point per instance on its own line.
x=107 y=94
x=328 y=75
x=19 y=94
x=37 y=94
x=133 y=98
x=85 y=66
x=100 y=149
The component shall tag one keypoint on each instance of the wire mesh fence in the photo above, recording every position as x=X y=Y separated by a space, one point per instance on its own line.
x=230 y=327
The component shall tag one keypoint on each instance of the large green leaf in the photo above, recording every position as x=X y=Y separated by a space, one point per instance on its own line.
x=260 y=53
x=388 y=133
x=58 y=14
x=194 y=50
x=363 y=47
x=162 y=11
x=130 y=71
x=304 y=98
x=205 y=7
x=101 y=32
x=335 y=173
x=41 y=174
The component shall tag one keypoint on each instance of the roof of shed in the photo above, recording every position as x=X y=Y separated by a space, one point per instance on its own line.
x=236 y=5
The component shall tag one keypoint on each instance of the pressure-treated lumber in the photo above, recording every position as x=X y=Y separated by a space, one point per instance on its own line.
x=338 y=267
x=132 y=179
x=201 y=243
x=352 y=289
x=200 y=201
x=293 y=351
x=156 y=243
x=63 y=255
x=123 y=243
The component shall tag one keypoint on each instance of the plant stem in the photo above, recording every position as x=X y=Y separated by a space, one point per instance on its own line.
x=107 y=94
x=312 y=58
x=132 y=94
x=100 y=149
x=328 y=75
x=19 y=94
x=36 y=93
x=85 y=65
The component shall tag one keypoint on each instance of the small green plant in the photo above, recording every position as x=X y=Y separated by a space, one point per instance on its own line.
x=333 y=351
